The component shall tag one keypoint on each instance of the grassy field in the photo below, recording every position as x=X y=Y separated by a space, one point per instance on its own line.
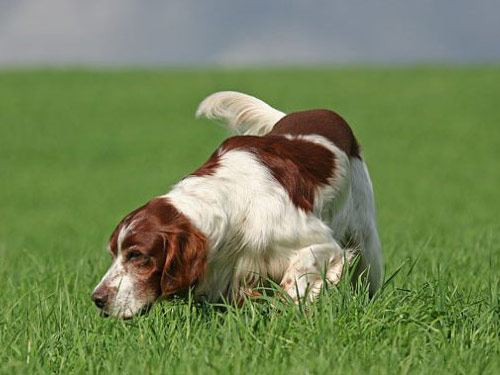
x=79 y=150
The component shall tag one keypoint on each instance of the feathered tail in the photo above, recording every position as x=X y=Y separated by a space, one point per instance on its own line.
x=241 y=113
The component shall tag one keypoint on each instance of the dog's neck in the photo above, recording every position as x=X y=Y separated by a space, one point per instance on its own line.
x=204 y=207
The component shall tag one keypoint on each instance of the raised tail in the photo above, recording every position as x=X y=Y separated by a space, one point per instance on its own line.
x=241 y=113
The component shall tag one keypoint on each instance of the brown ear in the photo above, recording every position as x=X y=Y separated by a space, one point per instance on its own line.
x=185 y=260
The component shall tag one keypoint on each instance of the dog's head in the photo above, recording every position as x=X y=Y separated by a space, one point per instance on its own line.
x=156 y=252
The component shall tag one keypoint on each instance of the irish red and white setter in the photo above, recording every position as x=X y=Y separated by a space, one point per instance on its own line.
x=288 y=200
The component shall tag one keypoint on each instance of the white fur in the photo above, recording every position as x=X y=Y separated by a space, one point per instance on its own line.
x=124 y=301
x=242 y=113
x=356 y=218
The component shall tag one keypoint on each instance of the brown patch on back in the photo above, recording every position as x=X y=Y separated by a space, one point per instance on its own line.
x=209 y=167
x=321 y=122
x=298 y=165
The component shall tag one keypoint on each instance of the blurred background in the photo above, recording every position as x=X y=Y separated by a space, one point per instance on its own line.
x=235 y=32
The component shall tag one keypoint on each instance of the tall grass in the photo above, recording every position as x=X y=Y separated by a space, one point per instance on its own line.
x=79 y=150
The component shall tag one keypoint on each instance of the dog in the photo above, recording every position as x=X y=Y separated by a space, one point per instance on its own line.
x=289 y=200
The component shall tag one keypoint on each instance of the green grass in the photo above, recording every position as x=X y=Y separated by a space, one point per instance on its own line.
x=79 y=150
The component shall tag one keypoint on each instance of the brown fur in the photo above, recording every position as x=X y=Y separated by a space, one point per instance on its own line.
x=321 y=122
x=174 y=251
x=209 y=167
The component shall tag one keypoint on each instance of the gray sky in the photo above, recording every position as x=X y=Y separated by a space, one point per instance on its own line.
x=141 y=32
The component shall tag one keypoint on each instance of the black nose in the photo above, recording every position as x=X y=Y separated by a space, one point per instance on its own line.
x=99 y=299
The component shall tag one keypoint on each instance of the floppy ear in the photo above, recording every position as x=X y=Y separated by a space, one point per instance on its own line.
x=185 y=260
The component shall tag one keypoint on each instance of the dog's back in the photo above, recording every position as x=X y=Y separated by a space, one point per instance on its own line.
x=321 y=122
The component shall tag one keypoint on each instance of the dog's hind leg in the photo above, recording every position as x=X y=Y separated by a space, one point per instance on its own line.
x=363 y=227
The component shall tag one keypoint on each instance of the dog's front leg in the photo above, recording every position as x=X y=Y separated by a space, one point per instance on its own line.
x=311 y=267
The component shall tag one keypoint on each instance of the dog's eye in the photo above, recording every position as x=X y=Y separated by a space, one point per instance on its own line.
x=134 y=254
